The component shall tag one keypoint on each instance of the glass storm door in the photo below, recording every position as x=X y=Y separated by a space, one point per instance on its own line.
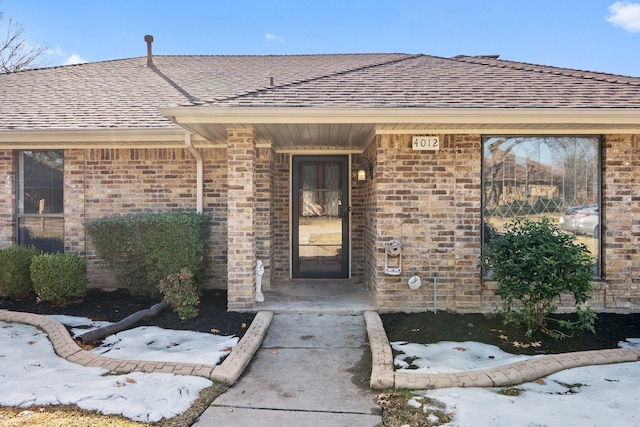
x=320 y=238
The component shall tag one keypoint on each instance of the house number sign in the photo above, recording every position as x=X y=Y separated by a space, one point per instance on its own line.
x=431 y=143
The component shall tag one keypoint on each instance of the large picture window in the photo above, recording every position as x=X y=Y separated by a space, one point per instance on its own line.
x=40 y=200
x=552 y=176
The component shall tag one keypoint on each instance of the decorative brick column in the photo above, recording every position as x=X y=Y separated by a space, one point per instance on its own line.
x=241 y=219
x=263 y=179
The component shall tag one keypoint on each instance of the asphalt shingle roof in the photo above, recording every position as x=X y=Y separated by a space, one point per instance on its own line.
x=127 y=94
x=463 y=82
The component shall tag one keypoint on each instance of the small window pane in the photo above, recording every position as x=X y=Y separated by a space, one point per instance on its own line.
x=41 y=182
x=45 y=234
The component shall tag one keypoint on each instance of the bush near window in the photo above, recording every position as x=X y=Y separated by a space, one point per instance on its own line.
x=59 y=278
x=144 y=249
x=15 y=277
x=181 y=293
x=534 y=263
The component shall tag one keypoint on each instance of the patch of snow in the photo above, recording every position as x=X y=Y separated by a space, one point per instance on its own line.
x=32 y=374
x=449 y=357
x=165 y=345
x=629 y=343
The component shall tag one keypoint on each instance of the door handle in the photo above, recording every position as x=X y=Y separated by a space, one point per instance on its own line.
x=346 y=211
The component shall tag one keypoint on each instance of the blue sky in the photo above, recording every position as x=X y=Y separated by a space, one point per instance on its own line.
x=597 y=35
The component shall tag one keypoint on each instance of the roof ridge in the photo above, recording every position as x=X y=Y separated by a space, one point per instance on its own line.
x=324 y=76
x=80 y=64
x=144 y=58
x=290 y=55
x=493 y=61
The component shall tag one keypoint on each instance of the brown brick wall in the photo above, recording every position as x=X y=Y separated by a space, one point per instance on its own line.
x=74 y=197
x=215 y=205
x=241 y=221
x=281 y=207
x=365 y=231
x=7 y=199
x=126 y=181
x=359 y=193
x=430 y=202
x=621 y=222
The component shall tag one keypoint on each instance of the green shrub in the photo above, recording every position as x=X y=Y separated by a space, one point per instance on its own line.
x=535 y=263
x=144 y=249
x=59 y=278
x=15 y=277
x=181 y=293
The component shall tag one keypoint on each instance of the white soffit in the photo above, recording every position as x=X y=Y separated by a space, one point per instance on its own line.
x=483 y=116
x=98 y=138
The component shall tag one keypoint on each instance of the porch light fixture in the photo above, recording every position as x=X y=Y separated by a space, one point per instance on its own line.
x=365 y=170
x=362 y=175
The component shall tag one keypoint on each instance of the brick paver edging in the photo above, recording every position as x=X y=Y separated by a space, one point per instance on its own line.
x=383 y=375
x=232 y=367
x=228 y=372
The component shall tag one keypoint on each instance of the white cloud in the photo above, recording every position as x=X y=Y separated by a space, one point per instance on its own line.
x=272 y=37
x=71 y=59
x=625 y=15
x=74 y=58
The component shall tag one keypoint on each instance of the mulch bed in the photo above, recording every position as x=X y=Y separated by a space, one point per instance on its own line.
x=423 y=328
x=116 y=305
x=429 y=327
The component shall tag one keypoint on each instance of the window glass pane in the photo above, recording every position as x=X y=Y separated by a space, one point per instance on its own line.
x=45 y=234
x=556 y=177
x=40 y=200
x=41 y=182
x=333 y=195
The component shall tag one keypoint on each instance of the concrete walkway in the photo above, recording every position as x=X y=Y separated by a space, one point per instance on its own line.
x=310 y=370
x=314 y=369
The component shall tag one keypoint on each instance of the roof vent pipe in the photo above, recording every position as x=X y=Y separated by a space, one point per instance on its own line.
x=149 y=39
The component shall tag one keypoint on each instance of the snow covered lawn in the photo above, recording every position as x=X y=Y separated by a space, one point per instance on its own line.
x=589 y=396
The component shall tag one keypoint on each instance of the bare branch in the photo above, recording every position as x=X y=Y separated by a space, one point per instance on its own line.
x=15 y=52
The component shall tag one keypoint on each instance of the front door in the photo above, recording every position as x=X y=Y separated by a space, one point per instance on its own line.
x=320 y=232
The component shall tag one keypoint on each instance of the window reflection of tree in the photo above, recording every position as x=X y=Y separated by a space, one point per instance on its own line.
x=42 y=182
x=557 y=171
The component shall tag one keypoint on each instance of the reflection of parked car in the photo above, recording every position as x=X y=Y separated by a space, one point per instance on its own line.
x=583 y=219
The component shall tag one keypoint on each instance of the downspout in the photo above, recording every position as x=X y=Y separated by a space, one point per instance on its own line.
x=199 y=172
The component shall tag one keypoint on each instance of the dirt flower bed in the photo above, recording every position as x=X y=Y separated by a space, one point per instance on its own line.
x=429 y=327
x=116 y=305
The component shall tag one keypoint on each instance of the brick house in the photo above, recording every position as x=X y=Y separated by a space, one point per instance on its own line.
x=367 y=167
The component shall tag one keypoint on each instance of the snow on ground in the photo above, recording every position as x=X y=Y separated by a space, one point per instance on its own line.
x=32 y=374
x=589 y=396
x=447 y=356
x=156 y=344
